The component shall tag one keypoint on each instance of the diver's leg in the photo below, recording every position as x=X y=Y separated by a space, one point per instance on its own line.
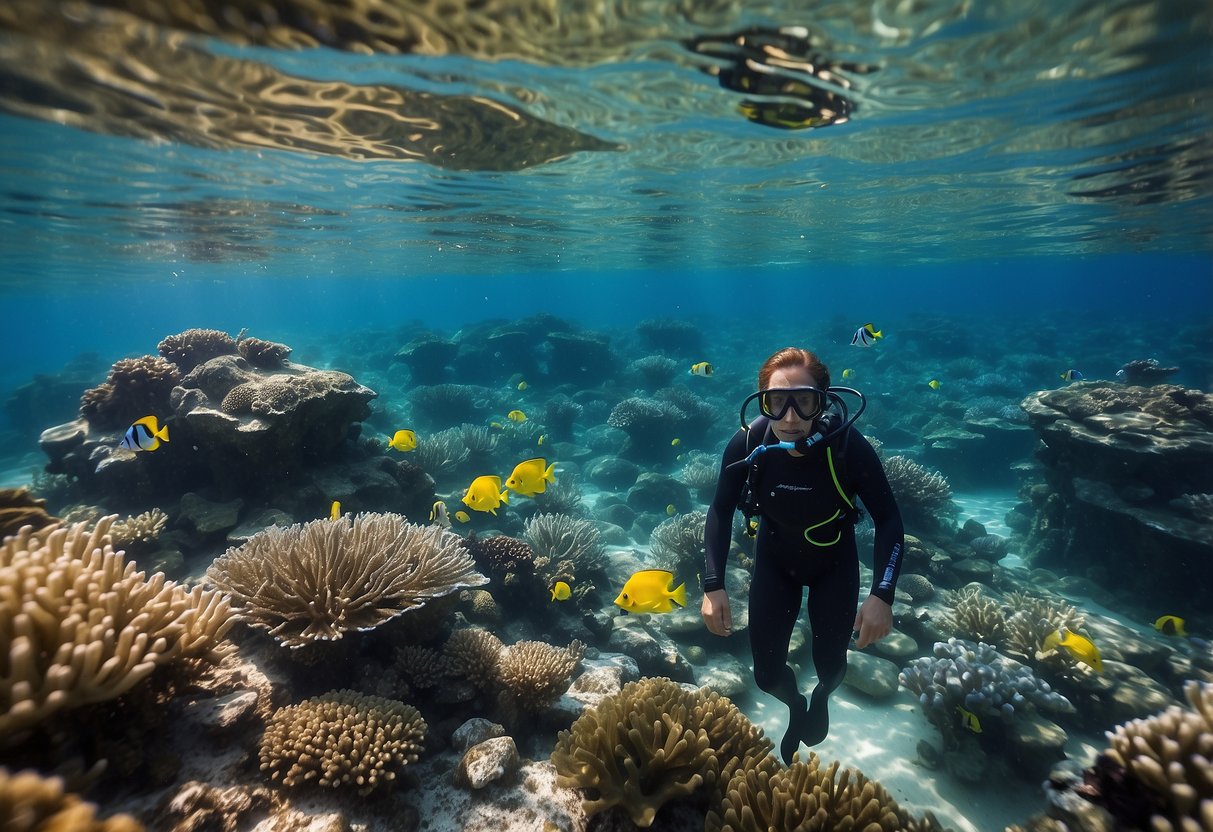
x=774 y=606
x=832 y=608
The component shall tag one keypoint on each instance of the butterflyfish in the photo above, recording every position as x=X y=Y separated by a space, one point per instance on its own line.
x=866 y=336
x=516 y=416
x=404 y=441
x=648 y=591
x=439 y=515
x=703 y=368
x=1170 y=625
x=482 y=495
x=144 y=435
x=531 y=477
x=1080 y=647
x=969 y=720
x=462 y=516
x=335 y=510
x=561 y=591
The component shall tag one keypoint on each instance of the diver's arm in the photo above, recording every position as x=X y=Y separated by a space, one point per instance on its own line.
x=718 y=529
x=867 y=474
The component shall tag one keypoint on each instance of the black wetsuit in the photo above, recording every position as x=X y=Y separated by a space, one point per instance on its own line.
x=794 y=493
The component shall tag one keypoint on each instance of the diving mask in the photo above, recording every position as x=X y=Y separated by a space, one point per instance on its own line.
x=774 y=402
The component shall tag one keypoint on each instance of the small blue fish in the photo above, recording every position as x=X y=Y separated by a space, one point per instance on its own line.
x=1071 y=375
x=145 y=435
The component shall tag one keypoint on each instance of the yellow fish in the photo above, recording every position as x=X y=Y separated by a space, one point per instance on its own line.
x=848 y=373
x=531 y=477
x=516 y=416
x=496 y=425
x=703 y=368
x=649 y=591
x=969 y=720
x=404 y=441
x=335 y=511
x=1080 y=647
x=670 y=510
x=462 y=516
x=144 y=435
x=1170 y=625
x=482 y=495
x=521 y=386
x=865 y=336
x=561 y=591
x=540 y=440
x=439 y=515
x=675 y=442
x=934 y=384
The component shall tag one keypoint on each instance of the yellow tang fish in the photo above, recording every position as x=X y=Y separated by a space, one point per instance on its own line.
x=516 y=416
x=703 y=368
x=462 y=516
x=482 y=495
x=439 y=515
x=675 y=442
x=335 y=511
x=561 y=591
x=1170 y=625
x=521 y=386
x=144 y=435
x=531 y=477
x=540 y=440
x=848 y=373
x=969 y=720
x=1080 y=647
x=934 y=384
x=404 y=441
x=649 y=591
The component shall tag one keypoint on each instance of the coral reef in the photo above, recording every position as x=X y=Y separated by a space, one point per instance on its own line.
x=534 y=674
x=81 y=625
x=427 y=358
x=473 y=654
x=559 y=414
x=32 y=803
x=434 y=405
x=342 y=738
x=266 y=355
x=671 y=335
x=918 y=588
x=653 y=742
x=563 y=497
x=502 y=558
x=924 y=497
x=1145 y=371
x=700 y=472
x=806 y=796
x=653 y=371
x=134 y=388
x=560 y=537
x=19 y=508
x=972 y=616
x=1157 y=773
x=677 y=543
x=196 y=346
x=650 y=425
x=140 y=530
x=322 y=579
x=1031 y=619
x=441 y=452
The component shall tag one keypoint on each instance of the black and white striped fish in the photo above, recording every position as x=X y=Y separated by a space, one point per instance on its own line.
x=145 y=435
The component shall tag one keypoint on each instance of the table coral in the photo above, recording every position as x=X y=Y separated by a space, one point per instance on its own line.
x=319 y=580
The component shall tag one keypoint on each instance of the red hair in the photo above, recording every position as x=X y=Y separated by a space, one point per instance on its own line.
x=789 y=357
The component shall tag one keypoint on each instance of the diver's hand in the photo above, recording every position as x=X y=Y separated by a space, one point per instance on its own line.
x=873 y=622
x=716 y=613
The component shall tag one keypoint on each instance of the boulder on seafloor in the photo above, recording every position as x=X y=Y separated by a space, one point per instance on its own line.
x=872 y=675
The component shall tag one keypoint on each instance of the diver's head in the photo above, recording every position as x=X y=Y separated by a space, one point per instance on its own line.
x=791 y=388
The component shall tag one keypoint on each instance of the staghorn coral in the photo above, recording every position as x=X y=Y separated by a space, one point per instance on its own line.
x=30 y=802
x=560 y=537
x=677 y=543
x=196 y=346
x=134 y=388
x=81 y=625
x=653 y=742
x=971 y=615
x=320 y=580
x=263 y=354
x=806 y=797
x=1157 y=772
x=20 y=508
x=473 y=654
x=534 y=674
x=922 y=495
x=342 y=738
x=138 y=530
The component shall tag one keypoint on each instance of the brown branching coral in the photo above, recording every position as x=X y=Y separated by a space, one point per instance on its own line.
x=807 y=797
x=342 y=738
x=500 y=555
x=195 y=346
x=473 y=654
x=420 y=666
x=1031 y=619
x=534 y=674
x=320 y=580
x=30 y=802
x=19 y=508
x=654 y=742
x=138 y=530
x=974 y=617
x=1159 y=768
x=80 y=625
x=134 y=388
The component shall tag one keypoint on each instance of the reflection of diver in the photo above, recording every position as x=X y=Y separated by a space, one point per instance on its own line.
x=782 y=64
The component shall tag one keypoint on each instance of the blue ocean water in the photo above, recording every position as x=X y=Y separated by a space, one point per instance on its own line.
x=1008 y=191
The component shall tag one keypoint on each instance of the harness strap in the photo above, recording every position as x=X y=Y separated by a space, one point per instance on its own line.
x=834 y=476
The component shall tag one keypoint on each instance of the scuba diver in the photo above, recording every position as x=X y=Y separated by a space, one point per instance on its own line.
x=796 y=471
